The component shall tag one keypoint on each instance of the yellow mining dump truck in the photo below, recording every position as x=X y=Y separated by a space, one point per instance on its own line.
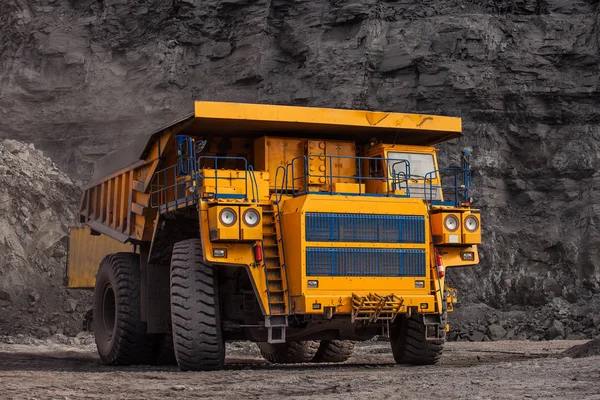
x=301 y=229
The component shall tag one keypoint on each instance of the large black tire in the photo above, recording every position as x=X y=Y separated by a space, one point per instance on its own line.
x=409 y=345
x=334 y=351
x=120 y=333
x=290 y=352
x=195 y=314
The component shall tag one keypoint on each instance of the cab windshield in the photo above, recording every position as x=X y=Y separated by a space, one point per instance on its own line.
x=420 y=164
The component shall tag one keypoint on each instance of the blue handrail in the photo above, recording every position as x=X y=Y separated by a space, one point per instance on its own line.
x=216 y=160
x=301 y=162
x=187 y=172
x=461 y=179
x=166 y=185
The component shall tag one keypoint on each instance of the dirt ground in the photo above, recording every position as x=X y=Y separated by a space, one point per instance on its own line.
x=489 y=370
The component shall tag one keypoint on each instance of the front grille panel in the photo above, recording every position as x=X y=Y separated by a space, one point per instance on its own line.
x=337 y=227
x=365 y=262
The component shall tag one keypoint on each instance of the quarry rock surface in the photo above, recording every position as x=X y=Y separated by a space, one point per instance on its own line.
x=82 y=78
x=37 y=206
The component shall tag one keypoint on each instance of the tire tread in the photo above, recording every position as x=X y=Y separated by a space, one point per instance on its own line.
x=195 y=310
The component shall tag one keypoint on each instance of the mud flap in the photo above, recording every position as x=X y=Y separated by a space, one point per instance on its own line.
x=435 y=328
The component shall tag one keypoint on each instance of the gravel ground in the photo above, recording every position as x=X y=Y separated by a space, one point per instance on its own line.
x=490 y=370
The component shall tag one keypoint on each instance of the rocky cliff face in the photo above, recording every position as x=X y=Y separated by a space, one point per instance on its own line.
x=37 y=206
x=81 y=78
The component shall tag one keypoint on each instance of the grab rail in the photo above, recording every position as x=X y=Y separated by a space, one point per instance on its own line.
x=218 y=178
x=299 y=181
x=458 y=192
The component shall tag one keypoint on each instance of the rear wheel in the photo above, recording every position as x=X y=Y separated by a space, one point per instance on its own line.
x=119 y=331
x=290 y=352
x=195 y=317
x=409 y=343
x=334 y=351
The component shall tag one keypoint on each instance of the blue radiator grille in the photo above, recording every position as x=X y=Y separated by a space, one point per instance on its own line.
x=327 y=227
x=364 y=262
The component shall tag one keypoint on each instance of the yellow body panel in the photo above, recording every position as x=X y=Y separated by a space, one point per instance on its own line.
x=322 y=157
x=238 y=253
x=452 y=256
x=233 y=182
x=353 y=188
x=340 y=288
x=471 y=237
x=219 y=231
x=271 y=153
x=251 y=232
x=85 y=254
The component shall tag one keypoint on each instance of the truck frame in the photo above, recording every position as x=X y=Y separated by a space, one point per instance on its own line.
x=301 y=229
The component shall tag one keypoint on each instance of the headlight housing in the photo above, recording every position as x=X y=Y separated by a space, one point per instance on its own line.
x=471 y=223
x=228 y=217
x=251 y=217
x=451 y=223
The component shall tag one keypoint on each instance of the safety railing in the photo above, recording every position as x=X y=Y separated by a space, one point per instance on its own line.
x=178 y=184
x=172 y=188
x=248 y=177
x=296 y=176
x=454 y=185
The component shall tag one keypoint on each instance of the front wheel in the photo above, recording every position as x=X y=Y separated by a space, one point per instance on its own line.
x=409 y=342
x=195 y=314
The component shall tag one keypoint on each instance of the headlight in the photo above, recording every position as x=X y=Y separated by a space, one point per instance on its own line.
x=251 y=217
x=451 y=223
x=471 y=223
x=227 y=216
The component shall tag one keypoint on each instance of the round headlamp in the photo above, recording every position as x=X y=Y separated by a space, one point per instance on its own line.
x=251 y=217
x=471 y=223
x=227 y=216
x=451 y=223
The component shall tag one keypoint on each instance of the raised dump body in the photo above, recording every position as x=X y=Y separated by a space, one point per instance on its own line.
x=302 y=229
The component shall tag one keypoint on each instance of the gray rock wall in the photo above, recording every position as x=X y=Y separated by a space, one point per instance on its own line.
x=37 y=206
x=81 y=78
